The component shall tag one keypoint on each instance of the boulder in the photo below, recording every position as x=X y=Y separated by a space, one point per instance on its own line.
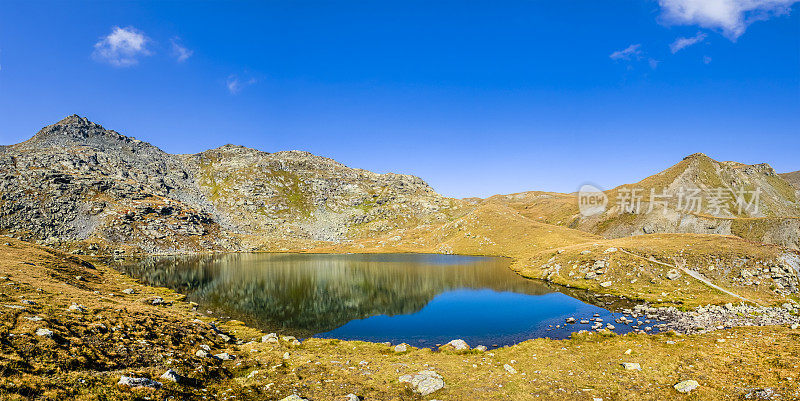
x=686 y=386
x=137 y=382
x=424 y=382
x=457 y=345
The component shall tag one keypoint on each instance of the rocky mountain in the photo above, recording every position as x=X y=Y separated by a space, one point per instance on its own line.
x=792 y=178
x=80 y=185
x=77 y=181
x=697 y=195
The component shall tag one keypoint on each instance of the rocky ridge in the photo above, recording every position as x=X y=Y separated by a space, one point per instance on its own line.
x=77 y=181
x=631 y=210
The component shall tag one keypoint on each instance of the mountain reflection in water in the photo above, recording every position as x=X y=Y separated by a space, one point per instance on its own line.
x=377 y=297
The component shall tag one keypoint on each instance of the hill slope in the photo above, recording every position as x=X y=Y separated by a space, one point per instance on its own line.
x=663 y=203
x=792 y=178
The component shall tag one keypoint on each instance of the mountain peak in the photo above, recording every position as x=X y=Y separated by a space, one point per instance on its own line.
x=697 y=155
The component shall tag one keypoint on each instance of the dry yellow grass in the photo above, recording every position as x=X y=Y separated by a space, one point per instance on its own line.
x=84 y=361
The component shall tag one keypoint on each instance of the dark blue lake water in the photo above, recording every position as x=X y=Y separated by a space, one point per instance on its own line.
x=423 y=300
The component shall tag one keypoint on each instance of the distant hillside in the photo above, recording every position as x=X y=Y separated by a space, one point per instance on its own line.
x=792 y=178
x=77 y=181
x=718 y=184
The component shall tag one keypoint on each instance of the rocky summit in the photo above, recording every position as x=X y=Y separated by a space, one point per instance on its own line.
x=77 y=181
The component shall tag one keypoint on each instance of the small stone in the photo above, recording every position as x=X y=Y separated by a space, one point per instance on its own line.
x=401 y=347
x=172 y=376
x=481 y=348
x=157 y=301
x=509 y=369
x=224 y=356
x=293 y=397
x=138 y=382
x=686 y=386
x=606 y=284
x=351 y=397
x=673 y=274
x=631 y=366
x=201 y=353
x=129 y=291
x=44 y=333
x=610 y=250
x=628 y=351
x=424 y=382
x=458 y=345
x=570 y=320
x=285 y=355
x=77 y=308
x=271 y=338
x=291 y=340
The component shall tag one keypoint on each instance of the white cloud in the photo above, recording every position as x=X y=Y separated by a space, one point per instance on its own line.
x=235 y=84
x=180 y=52
x=730 y=16
x=706 y=60
x=682 y=43
x=122 y=47
x=632 y=51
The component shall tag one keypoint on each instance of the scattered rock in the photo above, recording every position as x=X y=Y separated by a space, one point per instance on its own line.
x=606 y=284
x=686 y=386
x=77 y=308
x=760 y=394
x=172 y=376
x=458 y=345
x=673 y=274
x=224 y=356
x=293 y=397
x=401 y=347
x=631 y=366
x=134 y=382
x=509 y=369
x=129 y=291
x=271 y=338
x=44 y=333
x=481 y=348
x=424 y=382
x=291 y=340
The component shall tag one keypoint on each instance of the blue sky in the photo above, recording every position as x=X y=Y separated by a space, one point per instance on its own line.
x=477 y=98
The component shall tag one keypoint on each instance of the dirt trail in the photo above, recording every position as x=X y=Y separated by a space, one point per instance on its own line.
x=694 y=274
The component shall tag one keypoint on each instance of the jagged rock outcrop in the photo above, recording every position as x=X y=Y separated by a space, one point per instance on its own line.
x=75 y=181
x=298 y=194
